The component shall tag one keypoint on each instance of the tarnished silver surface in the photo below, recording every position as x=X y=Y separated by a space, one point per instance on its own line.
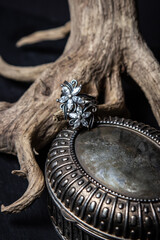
x=85 y=205
x=122 y=160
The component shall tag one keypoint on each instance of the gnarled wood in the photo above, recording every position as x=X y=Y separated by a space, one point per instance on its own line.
x=30 y=169
x=21 y=74
x=46 y=35
x=145 y=70
x=104 y=39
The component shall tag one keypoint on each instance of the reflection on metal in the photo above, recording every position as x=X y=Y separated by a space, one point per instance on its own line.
x=84 y=207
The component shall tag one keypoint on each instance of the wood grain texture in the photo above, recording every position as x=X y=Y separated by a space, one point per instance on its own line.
x=45 y=35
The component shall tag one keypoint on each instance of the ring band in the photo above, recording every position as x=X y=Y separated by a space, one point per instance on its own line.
x=78 y=108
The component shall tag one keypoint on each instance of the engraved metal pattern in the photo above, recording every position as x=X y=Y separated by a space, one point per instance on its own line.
x=79 y=108
x=81 y=208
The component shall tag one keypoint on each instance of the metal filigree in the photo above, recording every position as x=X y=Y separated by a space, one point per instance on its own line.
x=78 y=108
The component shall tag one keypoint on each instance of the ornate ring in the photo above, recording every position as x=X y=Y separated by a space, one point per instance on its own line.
x=78 y=108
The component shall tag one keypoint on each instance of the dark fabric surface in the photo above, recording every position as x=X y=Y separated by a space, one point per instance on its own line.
x=19 y=18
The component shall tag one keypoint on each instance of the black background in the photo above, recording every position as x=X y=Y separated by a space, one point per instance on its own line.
x=19 y=18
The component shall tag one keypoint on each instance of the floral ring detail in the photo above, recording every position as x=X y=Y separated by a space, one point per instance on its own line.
x=78 y=108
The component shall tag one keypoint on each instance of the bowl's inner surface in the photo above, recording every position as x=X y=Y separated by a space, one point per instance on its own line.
x=122 y=160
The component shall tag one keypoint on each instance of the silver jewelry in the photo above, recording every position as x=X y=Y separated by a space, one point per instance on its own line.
x=78 y=108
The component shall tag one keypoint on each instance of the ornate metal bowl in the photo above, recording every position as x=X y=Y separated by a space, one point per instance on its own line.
x=105 y=183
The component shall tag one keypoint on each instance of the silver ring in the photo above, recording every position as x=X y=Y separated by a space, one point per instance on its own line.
x=78 y=108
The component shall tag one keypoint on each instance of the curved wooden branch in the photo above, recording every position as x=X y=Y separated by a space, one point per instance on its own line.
x=145 y=70
x=21 y=74
x=29 y=169
x=46 y=35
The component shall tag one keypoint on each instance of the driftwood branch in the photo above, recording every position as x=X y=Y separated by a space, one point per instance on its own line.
x=104 y=39
x=46 y=35
x=30 y=169
x=21 y=74
x=145 y=70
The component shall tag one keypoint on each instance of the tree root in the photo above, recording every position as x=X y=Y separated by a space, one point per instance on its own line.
x=29 y=169
x=46 y=35
x=21 y=74
x=145 y=70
